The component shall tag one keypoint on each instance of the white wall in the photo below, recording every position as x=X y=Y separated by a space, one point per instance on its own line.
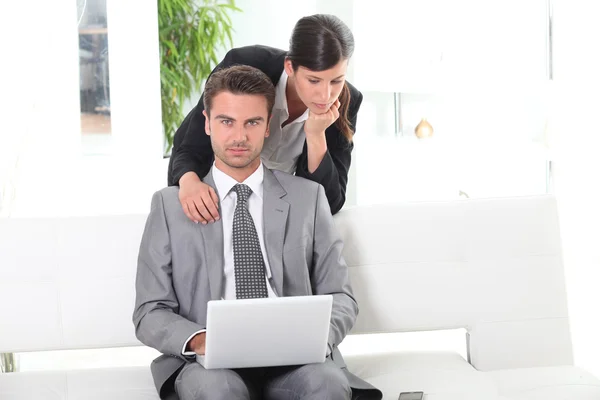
x=268 y=22
x=575 y=138
x=41 y=82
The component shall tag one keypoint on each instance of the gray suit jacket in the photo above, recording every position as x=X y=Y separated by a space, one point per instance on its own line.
x=180 y=268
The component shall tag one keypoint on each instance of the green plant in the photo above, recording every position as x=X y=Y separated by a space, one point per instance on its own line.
x=190 y=34
x=8 y=362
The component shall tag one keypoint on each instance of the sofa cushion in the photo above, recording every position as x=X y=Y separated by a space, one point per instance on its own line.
x=548 y=383
x=38 y=385
x=133 y=383
x=441 y=375
x=448 y=376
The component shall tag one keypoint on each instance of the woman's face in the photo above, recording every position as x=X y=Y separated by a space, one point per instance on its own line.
x=318 y=90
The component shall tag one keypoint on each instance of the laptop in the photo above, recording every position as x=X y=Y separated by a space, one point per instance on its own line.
x=266 y=332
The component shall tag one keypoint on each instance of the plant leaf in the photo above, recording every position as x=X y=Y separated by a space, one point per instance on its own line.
x=191 y=33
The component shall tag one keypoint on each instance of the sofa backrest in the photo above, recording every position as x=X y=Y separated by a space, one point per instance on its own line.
x=69 y=282
x=493 y=267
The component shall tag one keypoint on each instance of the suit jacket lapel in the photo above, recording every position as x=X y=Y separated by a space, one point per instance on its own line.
x=275 y=214
x=213 y=245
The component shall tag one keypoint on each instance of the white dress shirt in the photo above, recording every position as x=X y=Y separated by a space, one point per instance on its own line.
x=228 y=200
x=283 y=147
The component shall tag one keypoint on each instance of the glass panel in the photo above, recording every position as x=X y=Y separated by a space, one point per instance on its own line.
x=94 y=84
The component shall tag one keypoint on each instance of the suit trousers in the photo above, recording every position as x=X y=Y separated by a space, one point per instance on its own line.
x=311 y=381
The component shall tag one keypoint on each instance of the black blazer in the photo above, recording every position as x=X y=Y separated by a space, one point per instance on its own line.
x=192 y=150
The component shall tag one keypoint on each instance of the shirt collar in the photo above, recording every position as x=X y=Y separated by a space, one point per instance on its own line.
x=225 y=183
x=281 y=99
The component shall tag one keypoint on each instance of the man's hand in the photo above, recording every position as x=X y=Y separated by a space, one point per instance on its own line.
x=316 y=124
x=199 y=200
x=197 y=344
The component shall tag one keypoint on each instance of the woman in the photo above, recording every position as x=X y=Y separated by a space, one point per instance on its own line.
x=314 y=117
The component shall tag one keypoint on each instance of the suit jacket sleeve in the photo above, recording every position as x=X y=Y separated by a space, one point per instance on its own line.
x=332 y=173
x=329 y=273
x=156 y=320
x=192 y=150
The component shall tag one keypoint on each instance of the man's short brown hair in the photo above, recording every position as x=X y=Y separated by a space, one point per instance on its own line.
x=239 y=79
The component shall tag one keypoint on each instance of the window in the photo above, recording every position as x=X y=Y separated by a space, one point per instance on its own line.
x=94 y=83
x=477 y=72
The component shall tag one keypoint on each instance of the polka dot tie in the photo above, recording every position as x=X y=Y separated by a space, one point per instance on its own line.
x=249 y=265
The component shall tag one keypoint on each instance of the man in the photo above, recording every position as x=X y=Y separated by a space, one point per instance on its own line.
x=183 y=265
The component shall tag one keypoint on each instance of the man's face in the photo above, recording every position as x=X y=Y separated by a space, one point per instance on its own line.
x=238 y=126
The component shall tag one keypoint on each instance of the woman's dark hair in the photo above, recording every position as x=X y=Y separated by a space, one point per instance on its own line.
x=319 y=42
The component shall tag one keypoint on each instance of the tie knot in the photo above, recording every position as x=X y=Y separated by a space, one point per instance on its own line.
x=243 y=192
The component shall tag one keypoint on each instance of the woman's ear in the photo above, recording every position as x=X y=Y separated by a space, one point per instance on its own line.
x=289 y=68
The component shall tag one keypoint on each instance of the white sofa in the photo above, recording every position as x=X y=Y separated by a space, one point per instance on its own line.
x=493 y=267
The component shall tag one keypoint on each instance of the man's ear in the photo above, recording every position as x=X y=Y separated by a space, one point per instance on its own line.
x=268 y=131
x=206 y=123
